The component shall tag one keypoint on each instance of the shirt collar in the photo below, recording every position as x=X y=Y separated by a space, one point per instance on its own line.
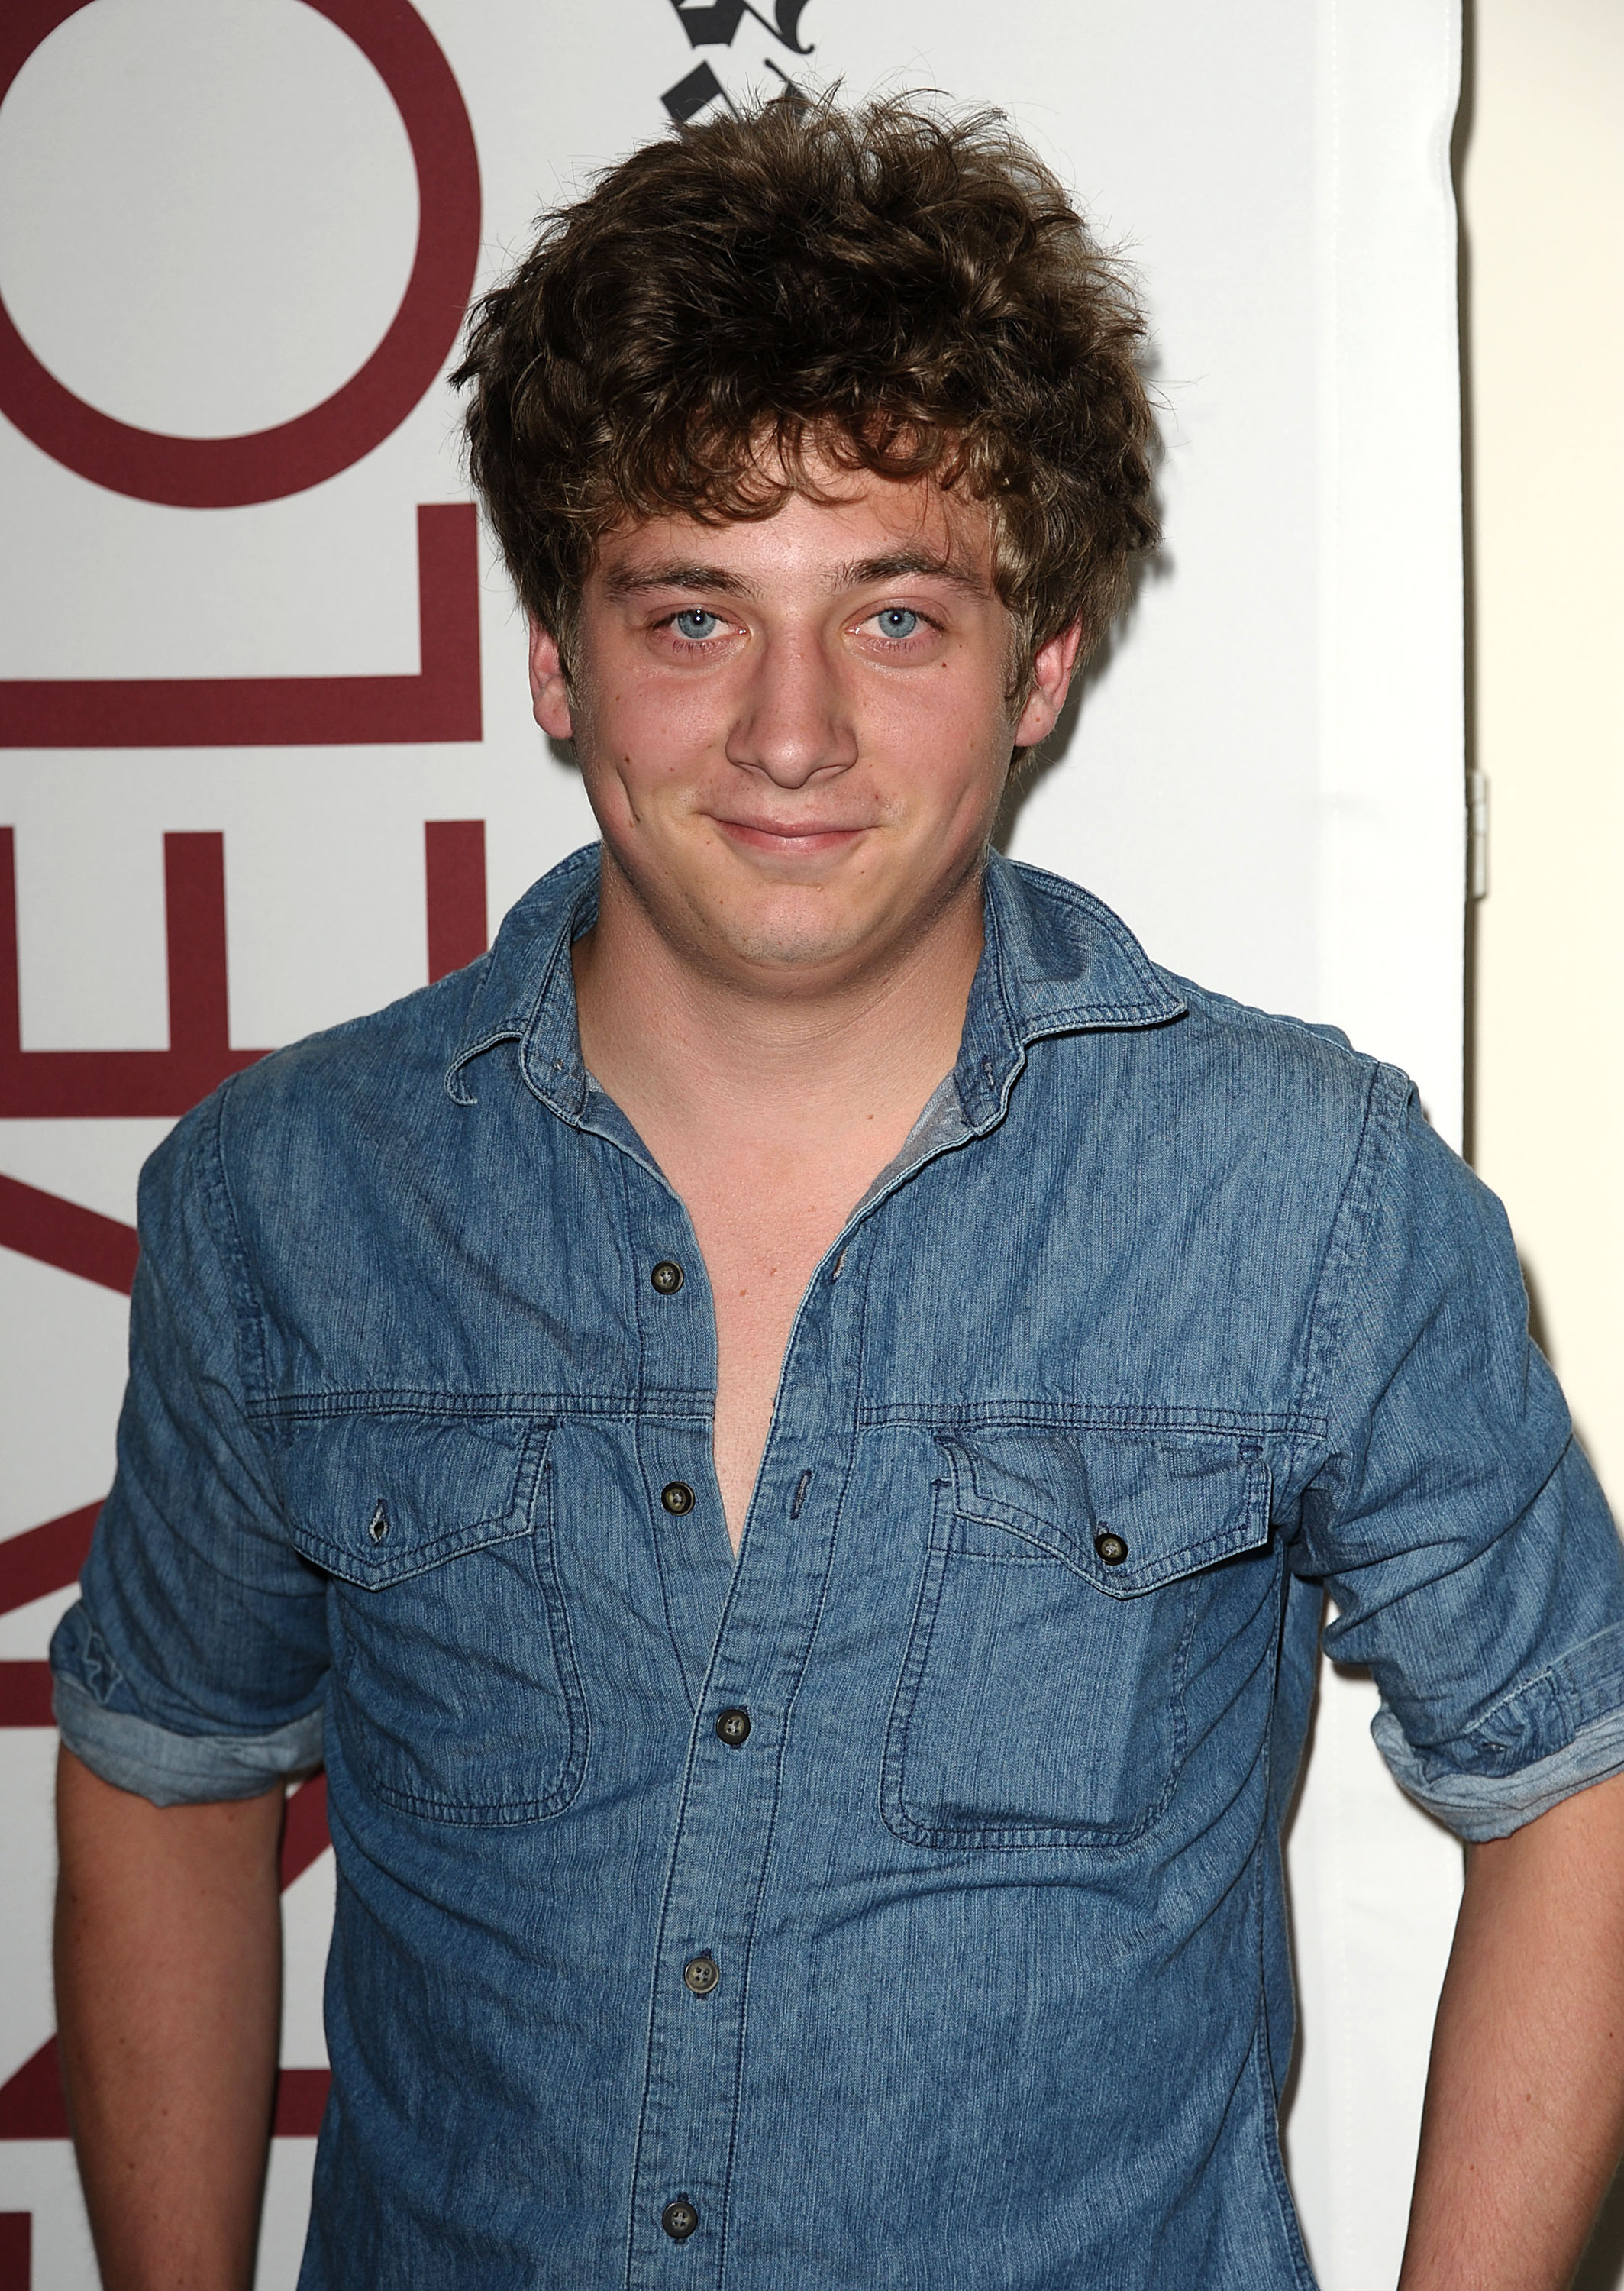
x=1056 y=962
x=527 y=992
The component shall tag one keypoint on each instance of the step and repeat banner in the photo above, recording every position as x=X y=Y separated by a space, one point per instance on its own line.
x=266 y=756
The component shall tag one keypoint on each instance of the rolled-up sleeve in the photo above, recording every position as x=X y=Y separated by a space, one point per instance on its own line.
x=193 y=1667
x=1457 y=1525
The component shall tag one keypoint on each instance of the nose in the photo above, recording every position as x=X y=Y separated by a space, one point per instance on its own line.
x=792 y=722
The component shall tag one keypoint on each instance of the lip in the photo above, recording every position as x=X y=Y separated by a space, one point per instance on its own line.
x=808 y=842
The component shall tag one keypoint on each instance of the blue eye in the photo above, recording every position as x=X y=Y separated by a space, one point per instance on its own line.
x=696 y=623
x=897 y=620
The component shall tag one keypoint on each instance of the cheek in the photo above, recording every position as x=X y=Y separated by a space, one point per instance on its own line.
x=654 y=730
x=646 y=758
x=942 y=735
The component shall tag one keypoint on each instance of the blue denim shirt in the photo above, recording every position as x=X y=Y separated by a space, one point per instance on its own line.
x=903 y=1901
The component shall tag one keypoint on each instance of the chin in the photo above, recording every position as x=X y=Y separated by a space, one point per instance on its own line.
x=778 y=939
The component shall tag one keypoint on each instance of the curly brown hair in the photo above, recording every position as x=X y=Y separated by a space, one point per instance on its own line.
x=889 y=286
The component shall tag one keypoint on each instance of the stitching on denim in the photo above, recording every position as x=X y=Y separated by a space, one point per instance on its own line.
x=1575 y=1762
x=452 y=1081
x=456 y=1089
x=204 y=1153
x=1038 y=1555
x=312 y=1407
x=1268 y=2113
x=986 y=1511
x=1189 y=1559
x=558 y=957
x=99 y=1670
x=578 y=1709
x=533 y=1477
x=904 y=1698
x=1018 y=1415
x=1069 y=1836
x=646 y=1422
x=212 y=1738
x=1348 y=1240
x=1554 y=1686
x=1542 y=1690
x=857 y=1305
x=495 y=1815
x=662 y=1925
x=215 y=1188
x=382 y=1574
x=1579 y=1701
x=521 y=925
x=998 y=941
x=1087 y=1017
x=1462 y=1801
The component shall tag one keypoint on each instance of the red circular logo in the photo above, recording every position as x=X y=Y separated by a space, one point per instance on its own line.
x=230 y=472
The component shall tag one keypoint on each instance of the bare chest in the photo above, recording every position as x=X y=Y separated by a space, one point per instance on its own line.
x=760 y=1252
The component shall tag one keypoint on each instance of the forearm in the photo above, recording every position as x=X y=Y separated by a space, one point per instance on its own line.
x=168 y=1974
x=1525 y=2112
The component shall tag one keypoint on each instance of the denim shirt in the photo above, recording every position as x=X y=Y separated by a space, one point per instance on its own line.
x=901 y=1904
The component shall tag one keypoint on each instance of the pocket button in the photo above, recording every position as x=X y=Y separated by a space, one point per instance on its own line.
x=1110 y=1546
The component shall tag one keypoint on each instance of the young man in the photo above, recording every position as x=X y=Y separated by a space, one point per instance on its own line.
x=785 y=1435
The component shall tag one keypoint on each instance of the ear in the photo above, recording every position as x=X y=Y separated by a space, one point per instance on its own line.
x=1051 y=680
x=549 y=690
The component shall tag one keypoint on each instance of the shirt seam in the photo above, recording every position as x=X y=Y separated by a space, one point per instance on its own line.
x=308 y=1407
x=1349 y=1244
x=204 y=1151
x=1105 y=1416
x=252 y=1353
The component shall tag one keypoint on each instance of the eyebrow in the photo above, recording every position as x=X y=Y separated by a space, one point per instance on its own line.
x=717 y=580
x=632 y=580
x=912 y=563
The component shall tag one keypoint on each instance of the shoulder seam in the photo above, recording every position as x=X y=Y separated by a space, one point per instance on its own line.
x=1387 y=1095
x=252 y=1364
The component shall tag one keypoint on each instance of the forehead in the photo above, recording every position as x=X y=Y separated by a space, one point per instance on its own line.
x=854 y=528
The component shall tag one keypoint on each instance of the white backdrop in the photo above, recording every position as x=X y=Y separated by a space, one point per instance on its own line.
x=210 y=211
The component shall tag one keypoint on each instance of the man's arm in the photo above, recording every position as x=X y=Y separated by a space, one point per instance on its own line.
x=168 y=1982
x=1524 y=2113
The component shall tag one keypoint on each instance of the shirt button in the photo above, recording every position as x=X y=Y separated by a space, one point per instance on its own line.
x=701 y=1974
x=667 y=1277
x=677 y=1496
x=679 y=2219
x=733 y=1727
x=1111 y=1548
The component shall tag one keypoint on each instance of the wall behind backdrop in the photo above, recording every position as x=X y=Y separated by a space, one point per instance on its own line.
x=265 y=757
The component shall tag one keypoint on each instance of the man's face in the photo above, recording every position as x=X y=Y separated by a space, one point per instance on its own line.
x=795 y=732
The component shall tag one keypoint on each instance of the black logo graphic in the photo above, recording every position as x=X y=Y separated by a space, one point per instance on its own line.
x=713 y=24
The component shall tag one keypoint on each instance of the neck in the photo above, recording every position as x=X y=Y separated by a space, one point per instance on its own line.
x=683 y=1048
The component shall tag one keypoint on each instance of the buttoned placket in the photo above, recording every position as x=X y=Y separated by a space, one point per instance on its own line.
x=689 y=2133
x=676 y=1412
x=742 y=1668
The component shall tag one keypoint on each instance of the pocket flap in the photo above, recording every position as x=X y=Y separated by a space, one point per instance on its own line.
x=1126 y=1510
x=376 y=1498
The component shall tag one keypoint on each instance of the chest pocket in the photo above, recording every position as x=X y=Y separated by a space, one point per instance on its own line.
x=454 y=1691
x=1042 y=1695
